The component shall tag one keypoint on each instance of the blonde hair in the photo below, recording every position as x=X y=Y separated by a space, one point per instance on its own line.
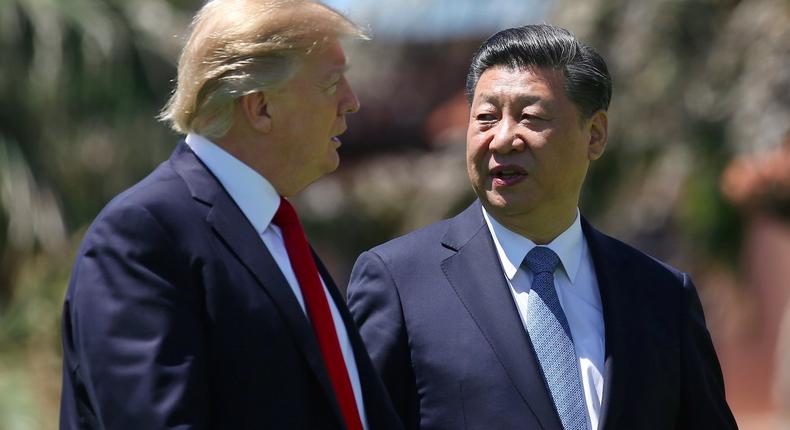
x=239 y=47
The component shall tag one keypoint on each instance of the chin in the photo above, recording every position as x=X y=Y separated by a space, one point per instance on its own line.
x=495 y=199
x=333 y=164
x=508 y=205
x=492 y=202
x=324 y=170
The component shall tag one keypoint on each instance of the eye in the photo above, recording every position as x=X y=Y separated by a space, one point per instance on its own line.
x=526 y=116
x=485 y=117
x=331 y=84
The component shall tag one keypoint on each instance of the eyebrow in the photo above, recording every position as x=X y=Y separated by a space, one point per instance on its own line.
x=523 y=99
x=342 y=70
x=331 y=76
x=337 y=72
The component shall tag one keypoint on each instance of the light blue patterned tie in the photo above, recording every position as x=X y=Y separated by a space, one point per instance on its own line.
x=551 y=337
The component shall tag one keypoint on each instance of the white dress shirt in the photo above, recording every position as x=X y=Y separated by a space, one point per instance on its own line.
x=258 y=201
x=577 y=289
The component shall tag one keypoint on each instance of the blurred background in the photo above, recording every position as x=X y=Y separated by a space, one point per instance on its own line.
x=697 y=171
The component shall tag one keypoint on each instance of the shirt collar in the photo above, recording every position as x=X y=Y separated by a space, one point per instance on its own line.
x=513 y=247
x=255 y=196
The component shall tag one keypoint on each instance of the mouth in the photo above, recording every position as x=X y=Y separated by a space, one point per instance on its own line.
x=336 y=137
x=507 y=175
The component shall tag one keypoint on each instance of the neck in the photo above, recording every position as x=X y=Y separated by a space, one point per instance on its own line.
x=539 y=229
x=251 y=150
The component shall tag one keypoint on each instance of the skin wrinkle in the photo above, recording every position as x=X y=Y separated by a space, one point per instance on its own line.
x=523 y=118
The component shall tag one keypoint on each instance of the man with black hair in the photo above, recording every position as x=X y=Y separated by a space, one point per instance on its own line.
x=517 y=313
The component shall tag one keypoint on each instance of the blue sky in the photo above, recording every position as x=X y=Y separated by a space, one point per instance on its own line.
x=438 y=19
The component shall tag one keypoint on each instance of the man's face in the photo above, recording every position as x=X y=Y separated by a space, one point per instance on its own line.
x=308 y=113
x=527 y=148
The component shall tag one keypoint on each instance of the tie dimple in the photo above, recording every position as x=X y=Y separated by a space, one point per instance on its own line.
x=541 y=259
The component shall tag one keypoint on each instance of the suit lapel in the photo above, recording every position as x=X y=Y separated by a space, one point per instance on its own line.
x=474 y=272
x=614 y=283
x=240 y=237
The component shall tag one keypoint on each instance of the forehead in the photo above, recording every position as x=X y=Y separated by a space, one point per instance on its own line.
x=327 y=55
x=534 y=82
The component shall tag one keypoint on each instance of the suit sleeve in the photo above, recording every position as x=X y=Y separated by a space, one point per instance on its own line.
x=703 y=403
x=375 y=304
x=135 y=353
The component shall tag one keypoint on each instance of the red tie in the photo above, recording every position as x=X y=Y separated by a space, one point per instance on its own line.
x=318 y=310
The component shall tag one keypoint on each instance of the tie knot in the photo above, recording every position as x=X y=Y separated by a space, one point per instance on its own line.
x=541 y=259
x=285 y=216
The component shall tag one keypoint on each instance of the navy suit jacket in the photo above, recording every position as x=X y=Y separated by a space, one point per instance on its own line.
x=442 y=328
x=177 y=316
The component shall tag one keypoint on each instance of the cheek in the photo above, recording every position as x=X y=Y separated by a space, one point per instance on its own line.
x=476 y=148
x=471 y=168
x=474 y=161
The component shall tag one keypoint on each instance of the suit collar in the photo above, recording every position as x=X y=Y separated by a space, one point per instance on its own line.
x=463 y=227
x=236 y=232
x=474 y=272
x=254 y=194
x=202 y=184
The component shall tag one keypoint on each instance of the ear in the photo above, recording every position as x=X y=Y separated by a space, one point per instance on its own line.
x=599 y=134
x=256 y=111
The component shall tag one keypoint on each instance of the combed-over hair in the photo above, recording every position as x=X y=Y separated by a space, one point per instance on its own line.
x=239 y=47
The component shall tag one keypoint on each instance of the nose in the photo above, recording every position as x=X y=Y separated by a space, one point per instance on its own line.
x=349 y=103
x=506 y=137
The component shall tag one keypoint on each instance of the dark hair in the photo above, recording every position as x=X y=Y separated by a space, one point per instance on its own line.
x=587 y=81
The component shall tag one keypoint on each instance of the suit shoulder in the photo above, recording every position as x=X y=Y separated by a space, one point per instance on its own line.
x=163 y=191
x=163 y=187
x=637 y=259
x=159 y=201
x=414 y=245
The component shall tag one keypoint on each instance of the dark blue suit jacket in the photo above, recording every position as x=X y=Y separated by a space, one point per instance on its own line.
x=177 y=316
x=442 y=328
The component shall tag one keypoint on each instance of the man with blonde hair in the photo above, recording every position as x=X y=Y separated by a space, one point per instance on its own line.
x=195 y=300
